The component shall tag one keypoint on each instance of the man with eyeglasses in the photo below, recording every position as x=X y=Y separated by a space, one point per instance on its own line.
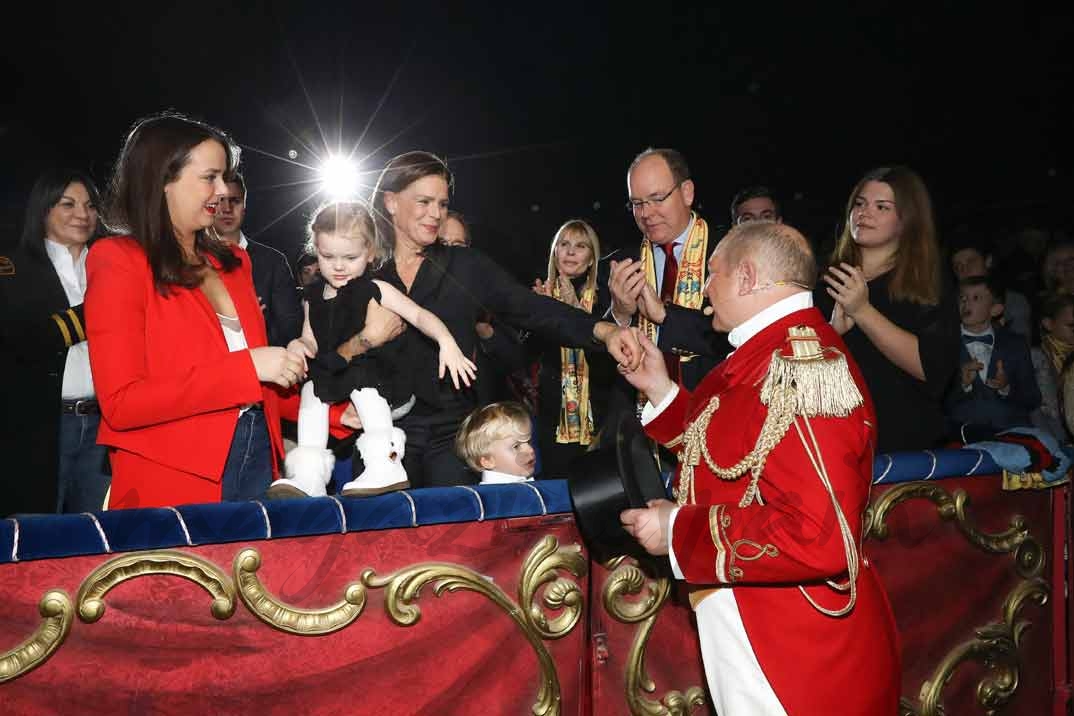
x=671 y=264
x=692 y=330
x=273 y=281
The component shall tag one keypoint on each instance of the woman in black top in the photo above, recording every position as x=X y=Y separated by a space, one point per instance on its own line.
x=887 y=295
x=458 y=285
x=573 y=385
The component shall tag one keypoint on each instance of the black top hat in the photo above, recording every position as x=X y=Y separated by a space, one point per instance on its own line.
x=620 y=474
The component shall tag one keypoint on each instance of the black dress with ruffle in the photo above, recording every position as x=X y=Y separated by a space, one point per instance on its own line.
x=334 y=321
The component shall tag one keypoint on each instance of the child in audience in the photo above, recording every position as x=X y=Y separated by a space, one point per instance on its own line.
x=343 y=237
x=496 y=441
x=997 y=389
x=1050 y=361
x=970 y=258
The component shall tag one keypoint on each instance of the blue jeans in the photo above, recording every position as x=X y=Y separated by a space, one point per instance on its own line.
x=248 y=471
x=82 y=482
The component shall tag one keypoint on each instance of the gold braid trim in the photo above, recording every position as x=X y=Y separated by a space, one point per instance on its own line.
x=779 y=418
x=807 y=383
x=63 y=330
x=77 y=324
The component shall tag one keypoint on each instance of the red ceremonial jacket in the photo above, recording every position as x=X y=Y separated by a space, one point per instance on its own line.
x=816 y=664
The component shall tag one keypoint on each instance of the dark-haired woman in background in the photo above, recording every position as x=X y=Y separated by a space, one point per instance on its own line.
x=886 y=293
x=48 y=433
x=177 y=339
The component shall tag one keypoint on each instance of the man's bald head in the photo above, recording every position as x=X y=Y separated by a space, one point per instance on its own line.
x=779 y=252
x=753 y=267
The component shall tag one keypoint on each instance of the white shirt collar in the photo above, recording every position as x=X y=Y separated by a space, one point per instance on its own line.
x=987 y=332
x=243 y=243
x=492 y=477
x=681 y=238
x=58 y=252
x=785 y=307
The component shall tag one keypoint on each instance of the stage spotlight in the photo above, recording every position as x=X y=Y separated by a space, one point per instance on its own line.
x=339 y=178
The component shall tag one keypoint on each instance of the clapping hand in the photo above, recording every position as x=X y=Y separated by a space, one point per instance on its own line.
x=841 y=322
x=969 y=371
x=625 y=283
x=847 y=285
x=650 y=305
x=999 y=380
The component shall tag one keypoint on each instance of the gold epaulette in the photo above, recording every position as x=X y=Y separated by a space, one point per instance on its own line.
x=816 y=379
x=803 y=379
x=7 y=266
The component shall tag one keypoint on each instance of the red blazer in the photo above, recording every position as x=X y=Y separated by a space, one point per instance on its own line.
x=816 y=664
x=169 y=388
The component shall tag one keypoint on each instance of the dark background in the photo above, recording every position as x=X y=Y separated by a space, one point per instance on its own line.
x=540 y=108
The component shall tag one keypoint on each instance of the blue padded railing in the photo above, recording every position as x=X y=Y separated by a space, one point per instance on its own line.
x=32 y=537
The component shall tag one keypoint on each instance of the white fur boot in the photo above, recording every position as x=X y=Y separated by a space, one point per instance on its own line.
x=308 y=467
x=380 y=445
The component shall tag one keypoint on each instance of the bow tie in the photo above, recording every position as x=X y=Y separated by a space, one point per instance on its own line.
x=988 y=340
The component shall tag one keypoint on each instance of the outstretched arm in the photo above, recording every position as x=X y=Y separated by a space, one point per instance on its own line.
x=451 y=357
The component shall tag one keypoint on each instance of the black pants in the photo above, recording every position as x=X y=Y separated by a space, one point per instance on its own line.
x=430 y=459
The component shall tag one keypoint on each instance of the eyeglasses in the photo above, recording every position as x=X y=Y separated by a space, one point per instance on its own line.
x=636 y=205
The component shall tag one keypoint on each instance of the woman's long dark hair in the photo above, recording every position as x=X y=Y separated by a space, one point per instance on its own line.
x=917 y=274
x=45 y=194
x=155 y=152
x=399 y=173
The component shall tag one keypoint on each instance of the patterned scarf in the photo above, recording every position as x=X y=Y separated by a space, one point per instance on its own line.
x=690 y=282
x=575 y=410
x=1057 y=351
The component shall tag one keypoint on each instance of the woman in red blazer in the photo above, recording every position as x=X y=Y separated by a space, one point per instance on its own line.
x=185 y=380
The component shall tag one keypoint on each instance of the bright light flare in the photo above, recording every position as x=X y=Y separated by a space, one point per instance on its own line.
x=339 y=178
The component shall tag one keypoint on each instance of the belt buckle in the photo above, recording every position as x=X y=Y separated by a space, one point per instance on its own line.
x=79 y=407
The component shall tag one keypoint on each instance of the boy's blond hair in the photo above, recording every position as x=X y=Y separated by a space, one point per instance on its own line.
x=485 y=426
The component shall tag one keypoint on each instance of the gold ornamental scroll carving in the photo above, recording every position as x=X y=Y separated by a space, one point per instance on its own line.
x=403 y=587
x=277 y=614
x=57 y=613
x=205 y=574
x=627 y=578
x=994 y=645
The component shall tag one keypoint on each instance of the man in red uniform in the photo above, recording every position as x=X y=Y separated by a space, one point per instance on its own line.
x=776 y=450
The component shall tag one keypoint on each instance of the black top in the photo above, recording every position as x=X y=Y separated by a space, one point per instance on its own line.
x=37 y=327
x=909 y=411
x=275 y=287
x=335 y=320
x=460 y=284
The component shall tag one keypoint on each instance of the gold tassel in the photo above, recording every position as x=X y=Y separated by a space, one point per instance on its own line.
x=820 y=382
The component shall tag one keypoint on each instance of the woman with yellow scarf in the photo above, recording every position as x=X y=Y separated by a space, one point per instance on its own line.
x=573 y=384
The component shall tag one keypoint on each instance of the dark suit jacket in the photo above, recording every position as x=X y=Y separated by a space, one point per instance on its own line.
x=275 y=287
x=496 y=357
x=33 y=354
x=982 y=405
x=685 y=332
x=458 y=285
